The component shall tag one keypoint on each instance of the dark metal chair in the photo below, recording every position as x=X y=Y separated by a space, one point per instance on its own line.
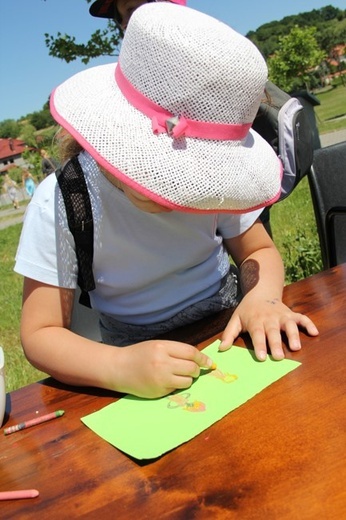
x=327 y=180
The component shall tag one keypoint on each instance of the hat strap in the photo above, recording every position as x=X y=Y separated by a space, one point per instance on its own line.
x=174 y=125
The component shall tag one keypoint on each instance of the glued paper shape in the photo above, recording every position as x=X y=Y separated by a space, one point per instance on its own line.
x=147 y=428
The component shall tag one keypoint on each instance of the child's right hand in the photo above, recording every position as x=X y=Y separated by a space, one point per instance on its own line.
x=156 y=368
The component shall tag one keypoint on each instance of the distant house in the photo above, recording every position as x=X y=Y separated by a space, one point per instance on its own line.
x=336 y=59
x=338 y=55
x=11 y=154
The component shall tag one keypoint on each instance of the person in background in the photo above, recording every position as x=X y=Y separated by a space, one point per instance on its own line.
x=10 y=186
x=28 y=183
x=121 y=10
x=48 y=164
x=177 y=180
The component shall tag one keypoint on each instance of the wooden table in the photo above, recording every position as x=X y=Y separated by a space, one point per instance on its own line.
x=279 y=456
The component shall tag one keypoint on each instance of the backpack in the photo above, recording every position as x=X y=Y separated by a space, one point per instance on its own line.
x=281 y=121
x=75 y=193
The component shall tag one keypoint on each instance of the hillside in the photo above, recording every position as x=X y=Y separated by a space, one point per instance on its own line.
x=330 y=22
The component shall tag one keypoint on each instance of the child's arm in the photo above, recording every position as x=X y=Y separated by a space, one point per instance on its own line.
x=148 y=369
x=261 y=312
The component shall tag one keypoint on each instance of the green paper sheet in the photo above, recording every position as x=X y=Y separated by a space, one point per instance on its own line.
x=147 y=428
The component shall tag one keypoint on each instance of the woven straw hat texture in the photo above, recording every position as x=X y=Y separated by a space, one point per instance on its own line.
x=194 y=66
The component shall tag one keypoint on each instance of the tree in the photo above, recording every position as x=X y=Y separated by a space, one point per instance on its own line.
x=107 y=41
x=33 y=159
x=331 y=35
x=28 y=135
x=327 y=18
x=298 y=54
x=101 y=43
x=9 y=128
x=41 y=119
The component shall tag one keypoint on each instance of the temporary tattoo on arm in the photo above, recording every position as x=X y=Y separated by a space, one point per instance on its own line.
x=274 y=301
x=249 y=275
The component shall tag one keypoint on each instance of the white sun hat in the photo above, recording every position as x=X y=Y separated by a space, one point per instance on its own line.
x=172 y=119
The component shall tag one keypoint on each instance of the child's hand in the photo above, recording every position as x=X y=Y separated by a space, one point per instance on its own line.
x=264 y=321
x=156 y=368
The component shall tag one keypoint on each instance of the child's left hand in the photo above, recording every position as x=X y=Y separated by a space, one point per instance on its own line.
x=265 y=321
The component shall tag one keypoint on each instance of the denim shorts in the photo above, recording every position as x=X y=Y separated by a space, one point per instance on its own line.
x=114 y=332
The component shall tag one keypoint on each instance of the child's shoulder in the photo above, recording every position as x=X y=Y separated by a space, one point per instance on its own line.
x=47 y=185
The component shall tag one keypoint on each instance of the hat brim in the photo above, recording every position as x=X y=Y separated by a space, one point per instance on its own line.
x=102 y=9
x=185 y=174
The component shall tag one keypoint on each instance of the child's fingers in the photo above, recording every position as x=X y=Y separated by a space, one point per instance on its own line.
x=307 y=324
x=231 y=332
x=292 y=330
x=203 y=361
x=187 y=360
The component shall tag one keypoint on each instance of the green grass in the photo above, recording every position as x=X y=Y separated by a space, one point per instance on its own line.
x=18 y=371
x=331 y=113
x=13 y=213
x=295 y=233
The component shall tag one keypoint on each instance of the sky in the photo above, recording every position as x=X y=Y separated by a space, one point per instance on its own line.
x=29 y=74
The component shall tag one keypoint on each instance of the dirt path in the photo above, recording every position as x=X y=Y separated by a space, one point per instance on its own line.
x=11 y=216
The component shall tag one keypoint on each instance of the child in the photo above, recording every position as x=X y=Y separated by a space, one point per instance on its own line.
x=28 y=183
x=10 y=186
x=177 y=180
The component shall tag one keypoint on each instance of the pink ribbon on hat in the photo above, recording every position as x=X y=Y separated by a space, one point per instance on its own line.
x=177 y=126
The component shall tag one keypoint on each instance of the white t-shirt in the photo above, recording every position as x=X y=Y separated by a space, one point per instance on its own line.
x=147 y=267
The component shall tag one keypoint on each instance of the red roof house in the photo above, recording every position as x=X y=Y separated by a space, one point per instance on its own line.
x=11 y=153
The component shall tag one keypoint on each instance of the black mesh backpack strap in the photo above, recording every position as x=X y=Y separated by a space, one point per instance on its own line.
x=80 y=220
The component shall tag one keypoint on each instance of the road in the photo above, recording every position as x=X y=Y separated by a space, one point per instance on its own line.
x=334 y=137
x=11 y=216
